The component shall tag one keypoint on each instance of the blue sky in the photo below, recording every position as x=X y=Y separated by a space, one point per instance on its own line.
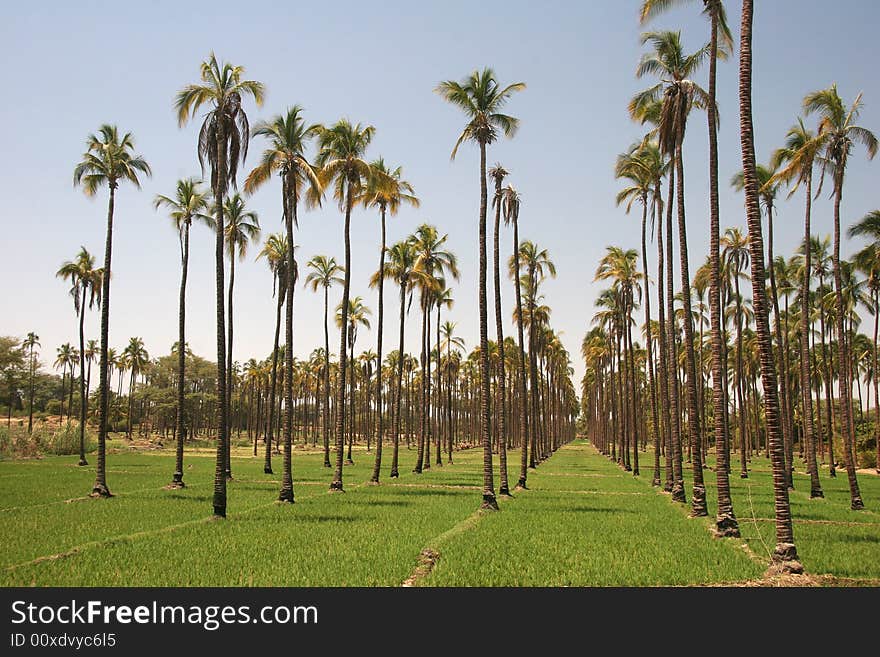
x=72 y=66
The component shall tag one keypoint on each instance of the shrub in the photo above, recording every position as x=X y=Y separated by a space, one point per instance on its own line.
x=867 y=458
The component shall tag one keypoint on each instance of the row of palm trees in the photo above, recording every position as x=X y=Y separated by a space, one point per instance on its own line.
x=339 y=168
x=784 y=360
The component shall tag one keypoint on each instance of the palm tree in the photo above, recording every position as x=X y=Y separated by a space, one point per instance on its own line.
x=85 y=282
x=223 y=141
x=401 y=268
x=679 y=95
x=736 y=256
x=794 y=164
x=720 y=42
x=511 y=204
x=785 y=553
x=868 y=260
x=481 y=99
x=325 y=273
x=137 y=358
x=450 y=340
x=108 y=160
x=64 y=356
x=275 y=251
x=838 y=133
x=498 y=173
x=31 y=342
x=242 y=227
x=640 y=166
x=91 y=353
x=288 y=137
x=189 y=203
x=386 y=190
x=341 y=149
x=356 y=316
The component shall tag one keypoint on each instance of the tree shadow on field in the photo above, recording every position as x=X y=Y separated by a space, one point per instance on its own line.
x=848 y=537
x=407 y=491
x=596 y=509
x=387 y=503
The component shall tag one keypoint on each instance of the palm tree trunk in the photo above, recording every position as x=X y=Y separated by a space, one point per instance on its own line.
x=336 y=484
x=229 y=319
x=326 y=408
x=399 y=383
x=503 y=488
x=523 y=405
x=270 y=420
x=180 y=430
x=290 y=220
x=698 y=497
x=678 y=493
x=82 y=383
x=844 y=379
x=380 y=426
x=219 y=501
x=422 y=387
x=785 y=554
x=807 y=400
x=489 y=501
x=664 y=347
x=655 y=481
x=100 y=488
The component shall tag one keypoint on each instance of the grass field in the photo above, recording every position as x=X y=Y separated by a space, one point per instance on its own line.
x=583 y=521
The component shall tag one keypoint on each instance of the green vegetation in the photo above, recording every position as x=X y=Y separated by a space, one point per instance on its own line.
x=583 y=521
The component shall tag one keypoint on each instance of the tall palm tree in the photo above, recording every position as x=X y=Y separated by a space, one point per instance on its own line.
x=481 y=99
x=401 y=268
x=838 y=133
x=223 y=141
x=868 y=260
x=275 y=251
x=357 y=315
x=137 y=358
x=325 y=273
x=720 y=42
x=108 y=160
x=288 y=137
x=341 y=149
x=785 y=553
x=242 y=228
x=64 y=355
x=31 y=342
x=735 y=247
x=91 y=353
x=794 y=164
x=85 y=283
x=386 y=190
x=679 y=94
x=189 y=203
x=498 y=173
x=511 y=203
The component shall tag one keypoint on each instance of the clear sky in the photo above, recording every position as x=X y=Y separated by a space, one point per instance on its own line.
x=72 y=66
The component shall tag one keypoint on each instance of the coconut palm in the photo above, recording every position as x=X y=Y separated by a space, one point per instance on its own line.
x=401 y=268
x=794 y=164
x=85 y=283
x=63 y=357
x=31 y=342
x=341 y=149
x=498 y=173
x=386 y=190
x=108 y=160
x=511 y=203
x=735 y=251
x=288 y=137
x=481 y=99
x=785 y=553
x=324 y=274
x=275 y=251
x=189 y=203
x=137 y=359
x=868 y=261
x=242 y=228
x=838 y=134
x=223 y=142
x=679 y=94
x=357 y=315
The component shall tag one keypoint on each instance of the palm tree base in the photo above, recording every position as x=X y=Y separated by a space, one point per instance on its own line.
x=816 y=492
x=82 y=462
x=489 y=502
x=505 y=491
x=520 y=485
x=655 y=481
x=100 y=490
x=698 y=503
x=176 y=483
x=219 y=513
x=327 y=464
x=373 y=482
x=336 y=487
x=857 y=504
x=394 y=474
x=678 y=494
x=785 y=561
x=286 y=496
x=726 y=526
x=349 y=462
x=267 y=471
x=743 y=475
